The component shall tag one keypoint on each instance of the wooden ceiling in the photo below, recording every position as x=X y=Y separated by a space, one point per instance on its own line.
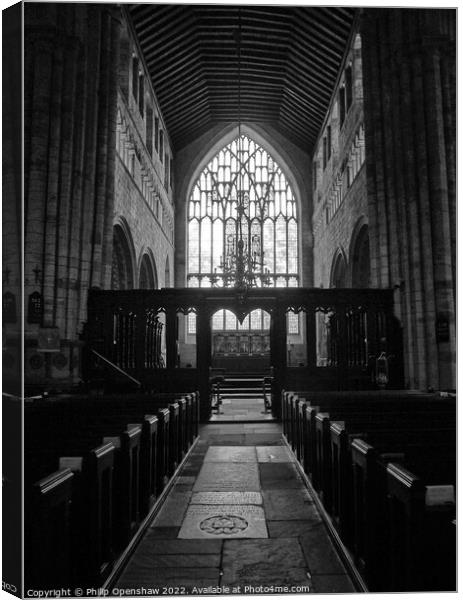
x=290 y=58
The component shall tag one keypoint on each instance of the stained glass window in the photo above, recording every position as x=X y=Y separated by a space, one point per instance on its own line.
x=269 y=228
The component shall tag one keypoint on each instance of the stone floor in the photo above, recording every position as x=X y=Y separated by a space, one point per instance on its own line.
x=242 y=409
x=238 y=520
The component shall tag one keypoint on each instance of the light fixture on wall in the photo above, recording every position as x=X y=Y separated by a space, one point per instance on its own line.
x=242 y=265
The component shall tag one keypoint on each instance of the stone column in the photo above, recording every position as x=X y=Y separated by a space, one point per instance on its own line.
x=70 y=66
x=409 y=62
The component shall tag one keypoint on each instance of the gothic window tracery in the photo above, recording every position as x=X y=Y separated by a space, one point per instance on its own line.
x=269 y=226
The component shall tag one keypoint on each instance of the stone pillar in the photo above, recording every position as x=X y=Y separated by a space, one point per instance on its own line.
x=409 y=62
x=70 y=103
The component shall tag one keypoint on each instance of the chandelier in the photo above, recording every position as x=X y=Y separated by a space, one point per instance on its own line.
x=242 y=264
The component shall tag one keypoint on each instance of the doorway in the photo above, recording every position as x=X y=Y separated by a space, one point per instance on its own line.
x=240 y=366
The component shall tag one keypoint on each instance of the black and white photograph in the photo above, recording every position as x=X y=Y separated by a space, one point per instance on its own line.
x=229 y=271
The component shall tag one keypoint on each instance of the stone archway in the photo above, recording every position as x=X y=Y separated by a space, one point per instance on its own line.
x=148 y=279
x=122 y=276
x=338 y=278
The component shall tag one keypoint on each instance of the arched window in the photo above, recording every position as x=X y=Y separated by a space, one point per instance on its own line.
x=269 y=225
x=122 y=271
x=148 y=279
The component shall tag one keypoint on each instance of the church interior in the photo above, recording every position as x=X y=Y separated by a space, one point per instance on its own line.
x=229 y=287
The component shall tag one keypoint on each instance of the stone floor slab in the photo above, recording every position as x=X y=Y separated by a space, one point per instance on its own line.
x=231 y=454
x=183 y=487
x=263 y=562
x=140 y=574
x=262 y=439
x=164 y=533
x=161 y=561
x=228 y=477
x=173 y=510
x=186 y=479
x=228 y=439
x=280 y=476
x=319 y=552
x=287 y=505
x=274 y=454
x=223 y=522
x=226 y=498
x=290 y=529
x=180 y=546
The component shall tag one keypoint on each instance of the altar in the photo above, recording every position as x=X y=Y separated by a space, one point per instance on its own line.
x=235 y=351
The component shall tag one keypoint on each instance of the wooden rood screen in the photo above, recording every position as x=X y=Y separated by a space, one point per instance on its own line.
x=343 y=332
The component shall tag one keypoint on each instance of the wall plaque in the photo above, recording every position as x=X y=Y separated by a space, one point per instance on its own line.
x=442 y=328
x=35 y=308
x=9 y=308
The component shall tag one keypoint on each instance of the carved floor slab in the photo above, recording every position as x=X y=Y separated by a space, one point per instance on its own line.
x=228 y=477
x=226 y=498
x=228 y=521
x=231 y=454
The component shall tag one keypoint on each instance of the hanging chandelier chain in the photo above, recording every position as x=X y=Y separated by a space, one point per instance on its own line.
x=243 y=260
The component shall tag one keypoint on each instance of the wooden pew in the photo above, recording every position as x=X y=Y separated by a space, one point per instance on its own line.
x=73 y=438
x=126 y=517
x=91 y=524
x=366 y=421
x=126 y=407
x=312 y=453
x=422 y=532
x=48 y=562
x=400 y=426
x=183 y=421
x=329 y=400
x=371 y=532
x=144 y=443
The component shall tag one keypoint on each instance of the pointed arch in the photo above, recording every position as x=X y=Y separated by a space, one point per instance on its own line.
x=148 y=278
x=360 y=256
x=123 y=272
x=269 y=226
x=338 y=277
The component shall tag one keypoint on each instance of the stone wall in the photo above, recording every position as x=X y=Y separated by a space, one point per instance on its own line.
x=70 y=103
x=403 y=186
x=88 y=165
x=144 y=191
x=339 y=190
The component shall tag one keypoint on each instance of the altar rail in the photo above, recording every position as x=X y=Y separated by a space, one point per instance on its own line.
x=127 y=327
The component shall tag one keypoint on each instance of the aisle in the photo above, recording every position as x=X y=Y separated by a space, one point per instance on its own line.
x=242 y=409
x=239 y=517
